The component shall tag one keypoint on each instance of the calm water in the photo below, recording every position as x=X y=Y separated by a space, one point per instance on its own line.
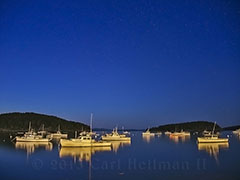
x=155 y=158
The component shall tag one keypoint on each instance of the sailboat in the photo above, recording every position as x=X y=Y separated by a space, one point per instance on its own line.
x=84 y=140
x=213 y=138
x=31 y=136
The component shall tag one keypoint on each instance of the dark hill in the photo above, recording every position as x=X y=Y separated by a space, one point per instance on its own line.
x=20 y=121
x=197 y=126
x=231 y=128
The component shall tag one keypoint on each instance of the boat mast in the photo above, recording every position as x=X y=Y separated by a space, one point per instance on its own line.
x=213 y=128
x=91 y=122
x=91 y=130
x=29 y=126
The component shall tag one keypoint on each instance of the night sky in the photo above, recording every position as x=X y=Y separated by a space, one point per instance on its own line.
x=132 y=63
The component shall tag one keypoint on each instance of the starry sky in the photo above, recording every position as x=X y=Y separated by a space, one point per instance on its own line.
x=133 y=63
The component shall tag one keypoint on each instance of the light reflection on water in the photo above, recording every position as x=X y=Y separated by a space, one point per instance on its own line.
x=147 y=138
x=213 y=149
x=116 y=145
x=180 y=138
x=82 y=154
x=237 y=136
x=131 y=159
x=30 y=147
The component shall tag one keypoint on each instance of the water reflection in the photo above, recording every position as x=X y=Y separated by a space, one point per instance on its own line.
x=213 y=148
x=147 y=138
x=181 y=138
x=30 y=147
x=117 y=144
x=237 y=136
x=82 y=153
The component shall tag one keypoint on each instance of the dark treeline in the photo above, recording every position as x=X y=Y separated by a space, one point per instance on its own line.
x=20 y=122
x=197 y=126
x=231 y=128
x=107 y=129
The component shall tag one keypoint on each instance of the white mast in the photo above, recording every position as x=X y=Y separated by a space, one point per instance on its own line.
x=213 y=128
x=29 y=126
x=91 y=123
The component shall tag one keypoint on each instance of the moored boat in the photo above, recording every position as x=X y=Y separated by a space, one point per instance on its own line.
x=58 y=134
x=237 y=131
x=181 y=133
x=83 y=141
x=167 y=132
x=212 y=138
x=125 y=132
x=158 y=133
x=31 y=136
x=115 y=136
x=148 y=133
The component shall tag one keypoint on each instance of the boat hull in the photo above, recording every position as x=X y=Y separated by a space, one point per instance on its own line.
x=76 y=143
x=116 y=138
x=56 y=136
x=20 y=139
x=212 y=140
x=148 y=134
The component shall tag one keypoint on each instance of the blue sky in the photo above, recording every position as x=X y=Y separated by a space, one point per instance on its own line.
x=132 y=63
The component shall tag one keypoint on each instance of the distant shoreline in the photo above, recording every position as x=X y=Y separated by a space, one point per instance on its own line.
x=18 y=122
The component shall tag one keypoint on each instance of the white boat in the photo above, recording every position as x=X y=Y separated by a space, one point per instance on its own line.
x=125 y=132
x=42 y=132
x=237 y=131
x=148 y=133
x=181 y=133
x=31 y=136
x=115 y=136
x=158 y=133
x=213 y=138
x=58 y=134
x=84 y=140
x=167 y=133
x=206 y=133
